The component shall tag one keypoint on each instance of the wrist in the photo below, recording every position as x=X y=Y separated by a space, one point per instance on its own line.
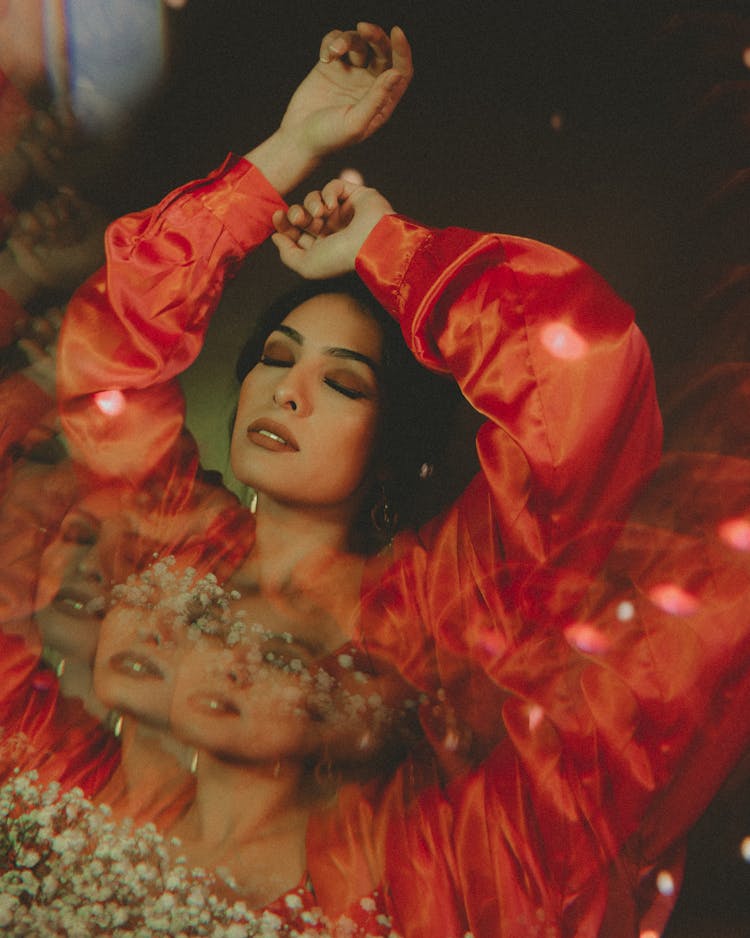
x=283 y=160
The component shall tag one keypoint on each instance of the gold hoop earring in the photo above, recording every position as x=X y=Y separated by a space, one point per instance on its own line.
x=114 y=721
x=384 y=518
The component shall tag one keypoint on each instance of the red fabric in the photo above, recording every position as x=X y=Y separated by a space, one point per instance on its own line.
x=23 y=405
x=164 y=275
x=588 y=752
x=43 y=731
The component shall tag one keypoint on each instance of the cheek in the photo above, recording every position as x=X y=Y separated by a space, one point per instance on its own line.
x=57 y=566
x=256 y=384
x=353 y=447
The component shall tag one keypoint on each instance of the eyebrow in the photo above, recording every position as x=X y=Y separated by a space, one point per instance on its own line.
x=78 y=515
x=333 y=351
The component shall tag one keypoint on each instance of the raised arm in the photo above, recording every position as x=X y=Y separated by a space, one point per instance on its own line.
x=537 y=341
x=612 y=701
x=142 y=319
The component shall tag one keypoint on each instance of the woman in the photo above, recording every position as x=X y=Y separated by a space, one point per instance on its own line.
x=532 y=839
x=275 y=717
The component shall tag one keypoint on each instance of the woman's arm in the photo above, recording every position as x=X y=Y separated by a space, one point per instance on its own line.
x=613 y=701
x=142 y=319
x=537 y=341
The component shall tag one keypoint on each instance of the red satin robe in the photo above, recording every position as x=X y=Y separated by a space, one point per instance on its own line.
x=576 y=728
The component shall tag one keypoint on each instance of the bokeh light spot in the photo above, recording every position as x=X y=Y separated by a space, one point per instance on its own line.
x=665 y=883
x=736 y=533
x=586 y=638
x=625 y=611
x=350 y=174
x=673 y=599
x=745 y=849
x=536 y=715
x=562 y=341
x=110 y=403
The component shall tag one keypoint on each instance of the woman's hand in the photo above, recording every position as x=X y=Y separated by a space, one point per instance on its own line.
x=39 y=343
x=322 y=237
x=351 y=92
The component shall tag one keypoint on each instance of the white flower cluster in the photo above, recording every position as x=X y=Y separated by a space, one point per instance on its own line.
x=67 y=870
x=199 y=605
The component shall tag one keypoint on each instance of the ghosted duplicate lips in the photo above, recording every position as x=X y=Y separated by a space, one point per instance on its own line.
x=79 y=605
x=213 y=705
x=134 y=665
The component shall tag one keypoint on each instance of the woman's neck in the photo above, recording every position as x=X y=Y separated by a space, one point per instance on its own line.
x=248 y=825
x=238 y=803
x=75 y=679
x=288 y=536
x=300 y=563
x=152 y=775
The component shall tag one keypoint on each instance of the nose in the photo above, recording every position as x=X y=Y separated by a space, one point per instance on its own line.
x=89 y=565
x=291 y=393
x=284 y=398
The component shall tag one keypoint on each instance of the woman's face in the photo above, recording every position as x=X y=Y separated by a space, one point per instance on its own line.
x=71 y=589
x=308 y=413
x=136 y=661
x=274 y=691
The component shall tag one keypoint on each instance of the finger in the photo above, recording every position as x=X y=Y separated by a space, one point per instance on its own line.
x=284 y=226
x=46 y=214
x=299 y=216
x=376 y=107
x=306 y=240
x=279 y=220
x=34 y=351
x=26 y=227
x=316 y=226
x=65 y=203
x=336 y=191
x=43 y=331
x=401 y=54
x=289 y=253
x=359 y=50
x=54 y=317
x=314 y=204
x=379 y=44
x=333 y=46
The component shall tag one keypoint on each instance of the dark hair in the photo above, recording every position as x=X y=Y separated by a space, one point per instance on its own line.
x=417 y=410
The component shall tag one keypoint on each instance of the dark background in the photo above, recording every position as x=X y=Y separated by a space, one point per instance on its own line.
x=473 y=144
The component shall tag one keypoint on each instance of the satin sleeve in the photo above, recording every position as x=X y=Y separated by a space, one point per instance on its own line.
x=551 y=356
x=142 y=319
x=547 y=352
x=598 y=671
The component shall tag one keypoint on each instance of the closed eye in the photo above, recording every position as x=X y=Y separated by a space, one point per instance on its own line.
x=352 y=393
x=79 y=532
x=275 y=362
